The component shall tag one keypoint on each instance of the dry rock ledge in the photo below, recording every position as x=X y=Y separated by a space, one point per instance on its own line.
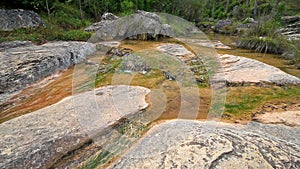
x=237 y=69
x=195 y=144
x=289 y=118
x=39 y=139
x=23 y=63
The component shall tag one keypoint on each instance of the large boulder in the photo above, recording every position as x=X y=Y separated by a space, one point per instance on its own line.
x=14 y=44
x=221 y=25
x=140 y=25
x=106 y=19
x=195 y=144
x=42 y=138
x=23 y=63
x=19 y=18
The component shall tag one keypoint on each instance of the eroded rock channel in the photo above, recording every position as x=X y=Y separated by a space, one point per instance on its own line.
x=105 y=122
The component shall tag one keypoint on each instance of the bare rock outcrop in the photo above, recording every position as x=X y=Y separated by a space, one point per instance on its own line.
x=140 y=25
x=219 y=27
x=39 y=139
x=195 y=144
x=177 y=50
x=291 y=30
x=239 y=69
x=106 y=18
x=14 y=44
x=19 y=18
x=23 y=63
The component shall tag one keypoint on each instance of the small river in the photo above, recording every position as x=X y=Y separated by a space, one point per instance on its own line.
x=59 y=86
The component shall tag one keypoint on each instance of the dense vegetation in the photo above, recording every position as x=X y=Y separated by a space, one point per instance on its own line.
x=196 y=10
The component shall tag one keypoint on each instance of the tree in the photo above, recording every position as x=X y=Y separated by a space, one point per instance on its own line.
x=227 y=5
x=275 y=9
x=80 y=8
x=255 y=8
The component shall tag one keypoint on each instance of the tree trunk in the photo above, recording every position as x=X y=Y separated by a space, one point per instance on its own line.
x=47 y=8
x=213 y=10
x=227 y=5
x=255 y=8
x=173 y=7
x=275 y=9
x=80 y=8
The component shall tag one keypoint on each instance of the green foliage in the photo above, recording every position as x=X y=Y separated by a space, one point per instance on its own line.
x=73 y=35
x=276 y=45
x=254 y=97
x=193 y=10
x=63 y=23
x=127 y=6
x=65 y=15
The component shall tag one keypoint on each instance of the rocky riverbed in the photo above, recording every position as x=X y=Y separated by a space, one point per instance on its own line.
x=75 y=130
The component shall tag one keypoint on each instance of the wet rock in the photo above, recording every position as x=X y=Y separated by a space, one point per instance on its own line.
x=27 y=64
x=169 y=76
x=19 y=18
x=140 y=25
x=212 y=44
x=195 y=144
x=239 y=69
x=119 y=52
x=134 y=63
x=39 y=139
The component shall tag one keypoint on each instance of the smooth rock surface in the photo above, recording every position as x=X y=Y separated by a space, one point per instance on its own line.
x=289 y=118
x=140 y=25
x=195 y=144
x=19 y=18
x=177 y=50
x=24 y=65
x=39 y=139
x=239 y=69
